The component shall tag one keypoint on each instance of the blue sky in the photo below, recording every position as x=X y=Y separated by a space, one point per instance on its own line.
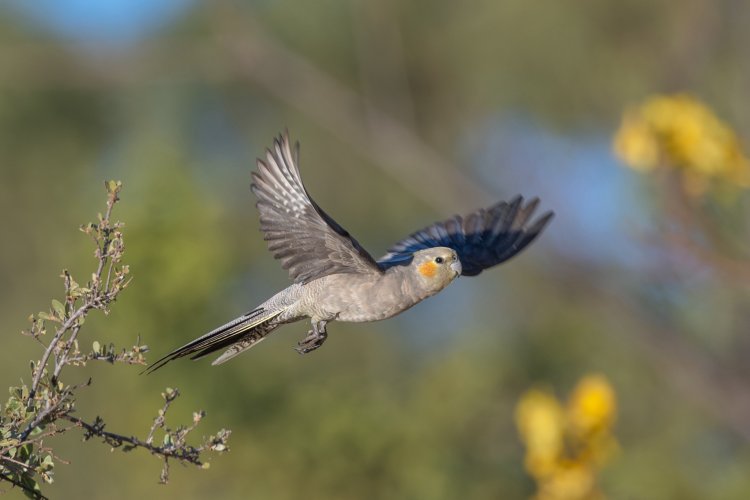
x=108 y=22
x=600 y=215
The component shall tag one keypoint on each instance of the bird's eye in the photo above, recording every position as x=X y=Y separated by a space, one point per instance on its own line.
x=439 y=260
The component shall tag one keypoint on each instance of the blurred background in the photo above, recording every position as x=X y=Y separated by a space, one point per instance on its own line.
x=630 y=314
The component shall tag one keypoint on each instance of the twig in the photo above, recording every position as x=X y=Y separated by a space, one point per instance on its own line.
x=31 y=492
x=169 y=396
x=187 y=454
x=51 y=347
x=81 y=311
x=50 y=410
x=47 y=400
x=174 y=446
x=39 y=437
x=94 y=300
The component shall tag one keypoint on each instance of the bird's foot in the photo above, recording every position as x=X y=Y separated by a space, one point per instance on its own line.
x=314 y=339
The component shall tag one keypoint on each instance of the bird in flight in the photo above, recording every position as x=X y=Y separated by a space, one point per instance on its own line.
x=336 y=279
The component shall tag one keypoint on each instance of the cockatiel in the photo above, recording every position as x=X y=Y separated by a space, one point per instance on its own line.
x=335 y=279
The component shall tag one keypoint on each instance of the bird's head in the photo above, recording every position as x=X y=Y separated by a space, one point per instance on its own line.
x=436 y=267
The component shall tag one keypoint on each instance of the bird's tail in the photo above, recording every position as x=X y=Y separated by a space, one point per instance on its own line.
x=237 y=336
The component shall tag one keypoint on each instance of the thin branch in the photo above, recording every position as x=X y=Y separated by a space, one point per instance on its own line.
x=109 y=274
x=89 y=304
x=31 y=492
x=109 y=358
x=50 y=410
x=16 y=462
x=82 y=311
x=48 y=401
x=36 y=438
x=185 y=454
x=102 y=252
x=169 y=396
x=51 y=347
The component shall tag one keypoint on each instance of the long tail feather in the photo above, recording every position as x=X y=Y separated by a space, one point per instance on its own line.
x=250 y=339
x=247 y=330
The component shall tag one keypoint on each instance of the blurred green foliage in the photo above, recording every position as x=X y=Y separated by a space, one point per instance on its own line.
x=43 y=407
x=421 y=406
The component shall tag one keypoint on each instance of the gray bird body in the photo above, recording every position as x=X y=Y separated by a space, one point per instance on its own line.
x=335 y=279
x=359 y=298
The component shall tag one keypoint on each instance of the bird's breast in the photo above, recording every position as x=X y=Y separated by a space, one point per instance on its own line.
x=360 y=298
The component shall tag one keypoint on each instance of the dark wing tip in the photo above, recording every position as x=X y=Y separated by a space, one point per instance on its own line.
x=282 y=142
x=524 y=235
x=532 y=204
x=292 y=147
x=548 y=216
x=538 y=226
x=483 y=238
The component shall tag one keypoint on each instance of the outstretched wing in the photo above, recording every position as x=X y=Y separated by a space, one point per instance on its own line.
x=307 y=241
x=482 y=239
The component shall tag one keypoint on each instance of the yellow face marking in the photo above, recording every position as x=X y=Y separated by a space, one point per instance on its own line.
x=428 y=269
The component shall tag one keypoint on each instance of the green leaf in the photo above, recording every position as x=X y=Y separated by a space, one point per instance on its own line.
x=58 y=308
x=25 y=451
x=32 y=487
x=96 y=346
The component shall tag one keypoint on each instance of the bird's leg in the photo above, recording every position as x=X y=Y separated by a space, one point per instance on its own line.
x=314 y=339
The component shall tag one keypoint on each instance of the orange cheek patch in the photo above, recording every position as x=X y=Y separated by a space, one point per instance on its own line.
x=428 y=269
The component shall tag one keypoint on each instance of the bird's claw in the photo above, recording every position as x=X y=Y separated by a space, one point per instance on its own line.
x=311 y=342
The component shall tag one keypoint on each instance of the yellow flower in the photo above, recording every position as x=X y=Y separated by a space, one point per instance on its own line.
x=566 y=445
x=680 y=132
x=592 y=407
x=541 y=421
x=573 y=481
x=635 y=143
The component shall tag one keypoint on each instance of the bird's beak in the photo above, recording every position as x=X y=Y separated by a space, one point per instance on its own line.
x=456 y=266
